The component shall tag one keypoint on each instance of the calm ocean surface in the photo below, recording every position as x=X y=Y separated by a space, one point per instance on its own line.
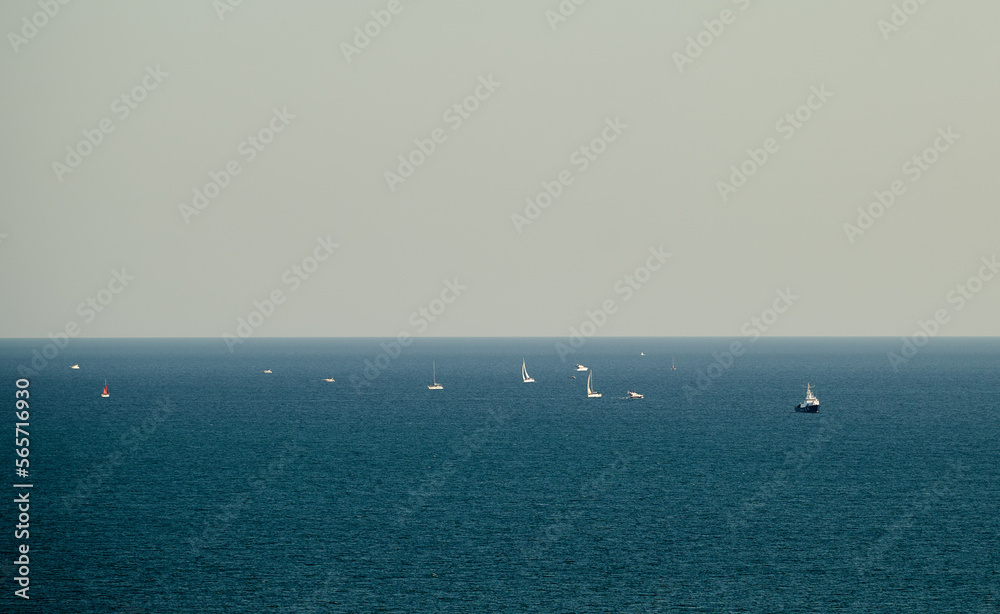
x=205 y=485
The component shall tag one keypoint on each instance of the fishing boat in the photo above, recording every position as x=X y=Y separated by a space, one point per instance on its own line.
x=524 y=373
x=591 y=393
x=811 y=404
x=435 y=385
x=105 y=393
x=634 y=395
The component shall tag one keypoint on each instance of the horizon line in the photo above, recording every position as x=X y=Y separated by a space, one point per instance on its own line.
x=255 y=337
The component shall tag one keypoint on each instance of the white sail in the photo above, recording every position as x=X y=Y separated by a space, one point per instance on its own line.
x=590 y=391
x=524 y=373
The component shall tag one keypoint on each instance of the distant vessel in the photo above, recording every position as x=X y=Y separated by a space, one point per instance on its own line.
x=581 y=368
x=75 y=367
x=673 y=367
x=328 y=379
x=811 y=404
x=524 y=373
x=266 y=371
x=105 y=393
x=435 y=385
x=634 y=395
x=591 y=393
x=642 y=353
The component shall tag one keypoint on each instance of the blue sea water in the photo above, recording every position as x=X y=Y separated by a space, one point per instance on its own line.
x=204 y=485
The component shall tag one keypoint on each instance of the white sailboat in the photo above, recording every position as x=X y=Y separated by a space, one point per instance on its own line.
x=524 y=373
x=673 y=367
x=435 y=385
x=591 y=394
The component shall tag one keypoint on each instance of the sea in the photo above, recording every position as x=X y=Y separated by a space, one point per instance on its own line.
x=203 y=484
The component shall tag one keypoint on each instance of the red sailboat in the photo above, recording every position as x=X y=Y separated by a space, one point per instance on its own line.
x=105 y=393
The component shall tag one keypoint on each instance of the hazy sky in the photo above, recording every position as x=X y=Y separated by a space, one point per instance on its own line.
x=198 y=82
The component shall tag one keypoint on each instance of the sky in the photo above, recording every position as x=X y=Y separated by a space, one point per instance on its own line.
x=375 y=184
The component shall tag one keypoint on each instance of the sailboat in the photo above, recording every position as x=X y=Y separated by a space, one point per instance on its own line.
x=105 y=393
x=673 y=367
x=435 y=385
x=524 y=373
x=591 y=394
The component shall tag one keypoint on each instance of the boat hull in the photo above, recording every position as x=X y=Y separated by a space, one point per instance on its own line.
x=808 y=409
